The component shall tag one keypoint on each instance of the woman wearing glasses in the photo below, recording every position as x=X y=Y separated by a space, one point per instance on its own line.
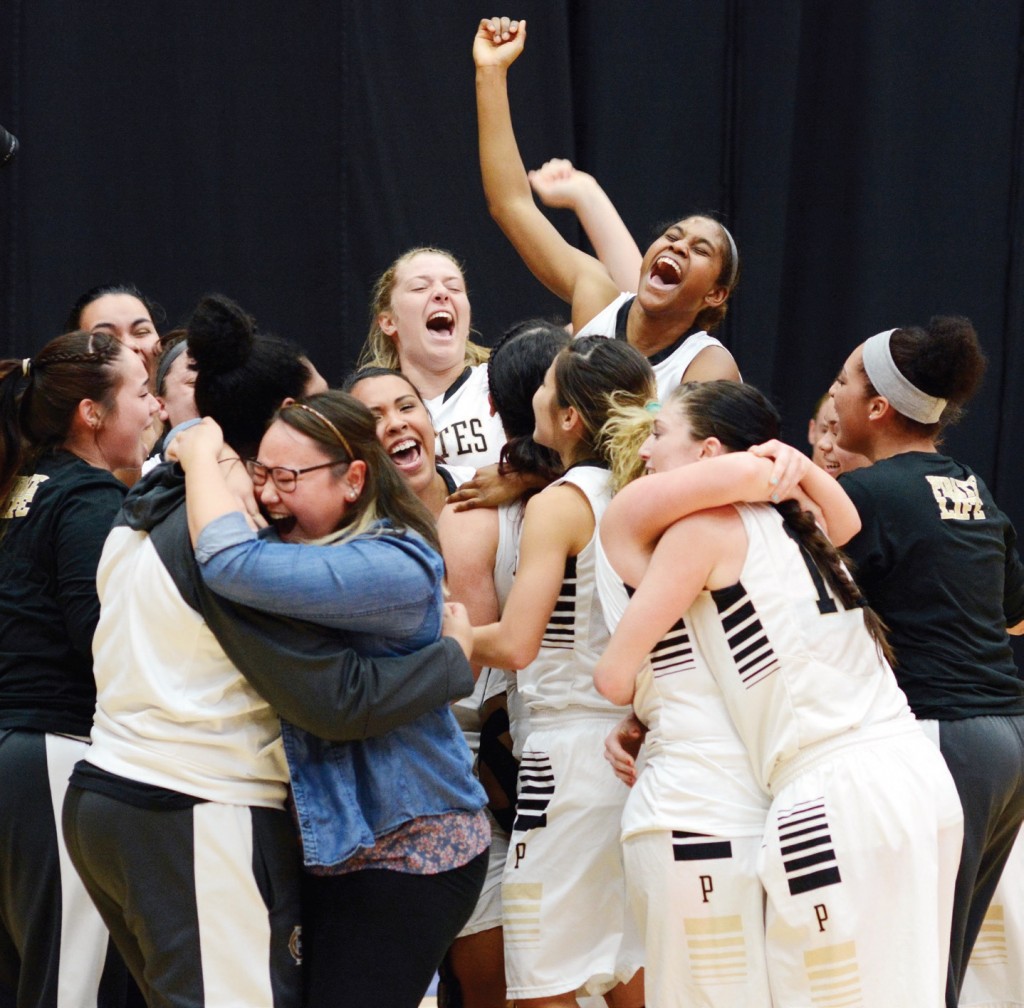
x=176 y=819
x=393 y=831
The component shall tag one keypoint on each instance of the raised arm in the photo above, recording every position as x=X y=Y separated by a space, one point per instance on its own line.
x=558 y=183
x=564 y=270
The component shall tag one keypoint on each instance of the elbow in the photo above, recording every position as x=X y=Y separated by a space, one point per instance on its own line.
x=846 y=530
x=512 y=212
x=611 y=687
x=496 y=208
x=518 y=658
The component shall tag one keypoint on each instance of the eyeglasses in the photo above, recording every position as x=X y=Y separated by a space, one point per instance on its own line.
x=282 y=477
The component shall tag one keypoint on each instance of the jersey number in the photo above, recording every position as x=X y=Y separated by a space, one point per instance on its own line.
x=826 y=603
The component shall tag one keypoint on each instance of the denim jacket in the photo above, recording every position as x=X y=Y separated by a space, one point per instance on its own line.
x=382 y=590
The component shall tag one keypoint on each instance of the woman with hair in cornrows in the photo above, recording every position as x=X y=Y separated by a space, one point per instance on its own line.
x=420 y=325
x=69 y=416
x=393 y=832
x=863 y=819
x=937 y=559
x=687 y=274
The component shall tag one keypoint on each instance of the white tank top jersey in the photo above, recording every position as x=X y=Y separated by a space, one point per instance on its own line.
x=696 y=776
x=796 y=668
x=562 y=674
x=669 y=364
x=491 y=680
x=467 y=434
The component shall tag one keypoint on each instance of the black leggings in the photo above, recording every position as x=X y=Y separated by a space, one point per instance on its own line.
x=376 y=937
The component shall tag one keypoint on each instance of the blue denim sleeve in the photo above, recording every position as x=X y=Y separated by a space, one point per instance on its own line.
x=387 y=583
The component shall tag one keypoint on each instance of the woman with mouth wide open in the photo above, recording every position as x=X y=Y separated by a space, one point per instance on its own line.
x=420 y=325
x=406 y=431
x=686 y=275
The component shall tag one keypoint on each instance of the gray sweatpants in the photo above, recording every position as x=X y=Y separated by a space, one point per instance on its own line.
x=202 y=902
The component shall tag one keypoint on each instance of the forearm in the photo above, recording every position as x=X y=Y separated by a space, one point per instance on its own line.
x=548 y=256
x=645 y=508
x=496 y=645
x=501 y=166
x=333 y=586
x=840 y=513
x=207 y=495
x=608 y=234
x=314 y=682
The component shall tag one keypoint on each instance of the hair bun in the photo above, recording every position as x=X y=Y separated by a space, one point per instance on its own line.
x=220 y=335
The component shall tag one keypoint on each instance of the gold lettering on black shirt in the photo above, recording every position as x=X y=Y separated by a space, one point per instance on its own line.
x=958 y=500
x=24 y=490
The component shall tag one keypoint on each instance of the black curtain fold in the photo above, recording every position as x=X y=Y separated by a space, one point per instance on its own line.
x=868 y=158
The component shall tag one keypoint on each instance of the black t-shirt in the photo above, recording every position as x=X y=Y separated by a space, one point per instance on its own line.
x=51 y=536
x=937 y=560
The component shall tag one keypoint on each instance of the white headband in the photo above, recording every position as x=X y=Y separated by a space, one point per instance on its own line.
x=903 y=396
x=734 y=253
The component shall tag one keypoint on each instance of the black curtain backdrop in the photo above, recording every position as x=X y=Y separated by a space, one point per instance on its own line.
x=868 y=155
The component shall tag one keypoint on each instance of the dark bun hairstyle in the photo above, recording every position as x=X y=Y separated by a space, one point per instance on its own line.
x=242 y=375
x=945 y=360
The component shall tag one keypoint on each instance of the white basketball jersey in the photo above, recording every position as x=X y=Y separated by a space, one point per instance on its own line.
x=562 y=674
x=467 y=434
x=794 y=666
x=696 y=775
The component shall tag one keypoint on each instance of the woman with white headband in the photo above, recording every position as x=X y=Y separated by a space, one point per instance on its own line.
x=937 y=560
x=686 y=276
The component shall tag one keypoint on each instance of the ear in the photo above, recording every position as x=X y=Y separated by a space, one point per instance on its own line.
x=162 y=411
x=287 y=401
x=354 y=479
x=387 y=324
x=879 y=408
x=570 y=418
x=710 y=448
x=490 y=405
x=89 y=414
x=716 y=296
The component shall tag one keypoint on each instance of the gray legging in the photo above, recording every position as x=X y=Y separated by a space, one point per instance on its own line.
x=985 y=755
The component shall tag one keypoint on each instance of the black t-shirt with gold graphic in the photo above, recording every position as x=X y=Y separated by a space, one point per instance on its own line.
x=938 y=562
x=51 y=536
